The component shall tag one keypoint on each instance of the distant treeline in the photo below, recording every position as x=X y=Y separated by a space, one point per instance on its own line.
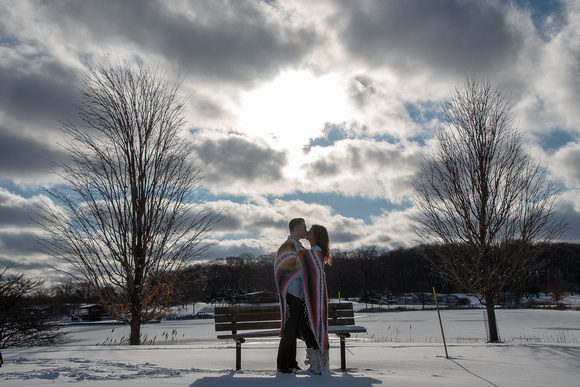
x=363 y=271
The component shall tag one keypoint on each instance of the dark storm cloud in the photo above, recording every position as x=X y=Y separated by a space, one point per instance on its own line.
x=247 y=219
x=345 y=230
x=38 y=91
x=23 y=156
x=227 y=41
x=229 y=222
x=361 y=157
x=443 y=36
x=234 y=159
x=343 y=236
x=567 y=210
x=17 y=243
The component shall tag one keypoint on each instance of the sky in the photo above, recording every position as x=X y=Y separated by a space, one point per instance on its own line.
x=320 y=110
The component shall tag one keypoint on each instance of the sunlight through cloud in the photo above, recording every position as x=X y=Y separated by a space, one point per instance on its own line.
x=293 y=108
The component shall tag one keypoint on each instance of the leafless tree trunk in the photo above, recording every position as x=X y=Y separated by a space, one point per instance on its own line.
x=130 y=213
x=483 y=200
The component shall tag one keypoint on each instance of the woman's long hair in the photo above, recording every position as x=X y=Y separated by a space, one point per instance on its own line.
x=323 y=241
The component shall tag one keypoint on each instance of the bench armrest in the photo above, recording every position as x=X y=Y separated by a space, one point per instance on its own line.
x=338 y=330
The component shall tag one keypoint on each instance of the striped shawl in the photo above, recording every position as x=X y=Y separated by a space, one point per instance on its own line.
x=312 y=262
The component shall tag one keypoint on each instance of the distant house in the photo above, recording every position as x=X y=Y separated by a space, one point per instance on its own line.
x=205 y=312
x=93 y=312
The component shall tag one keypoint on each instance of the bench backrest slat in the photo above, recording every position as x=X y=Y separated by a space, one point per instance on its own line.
x=254 y=317
x=246 y=309
x=343 y=321
x=338 y=314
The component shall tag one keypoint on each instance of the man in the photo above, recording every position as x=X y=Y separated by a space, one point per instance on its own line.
x=290 y=284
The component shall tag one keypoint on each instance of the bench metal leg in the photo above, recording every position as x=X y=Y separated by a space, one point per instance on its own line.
x=343 y=351
x=239 y=353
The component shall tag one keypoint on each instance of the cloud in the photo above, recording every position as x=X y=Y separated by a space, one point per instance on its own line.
x=265 y=223
x=569 y=209
x=565 y=164
x=17 y=212
x=19 y=235
x=235 y=165
x=436 y=36
x=250 y=217
x=27 y=161
x=333 y=133
x=547 y=92
x=263 y=226
x=37 y=91
x=365 y=168
x=220 y=41
x=392 y=229
x=14 y=243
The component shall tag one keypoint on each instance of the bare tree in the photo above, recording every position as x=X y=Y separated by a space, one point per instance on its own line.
x=483 y=199
x=130 y=214
x=24 y=319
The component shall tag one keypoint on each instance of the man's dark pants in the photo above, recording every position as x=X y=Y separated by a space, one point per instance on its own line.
x=296 y=326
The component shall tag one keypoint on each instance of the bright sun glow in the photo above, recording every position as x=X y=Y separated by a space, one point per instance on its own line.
x=293 y=108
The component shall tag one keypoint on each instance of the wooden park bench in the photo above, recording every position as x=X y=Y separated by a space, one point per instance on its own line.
x=245 y=322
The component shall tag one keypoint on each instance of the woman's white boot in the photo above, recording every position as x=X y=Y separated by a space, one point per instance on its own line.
x=325 y=362
x=314 y=359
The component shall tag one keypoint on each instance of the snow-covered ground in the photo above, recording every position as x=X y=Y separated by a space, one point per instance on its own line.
x=401 y=348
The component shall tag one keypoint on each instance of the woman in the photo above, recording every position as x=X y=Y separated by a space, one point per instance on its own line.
x=316 y=299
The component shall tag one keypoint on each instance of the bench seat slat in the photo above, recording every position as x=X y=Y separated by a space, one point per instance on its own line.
x=270 y=316
x=228 y=325
x=274 y=332
x=247 y=326
x=346 y=329
x=337 y=330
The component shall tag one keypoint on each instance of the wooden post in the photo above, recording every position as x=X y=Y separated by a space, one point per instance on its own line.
x=440 y=323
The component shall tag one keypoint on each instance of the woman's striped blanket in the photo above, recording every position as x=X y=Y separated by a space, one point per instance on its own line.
x=288 y=264
x=312 y=262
